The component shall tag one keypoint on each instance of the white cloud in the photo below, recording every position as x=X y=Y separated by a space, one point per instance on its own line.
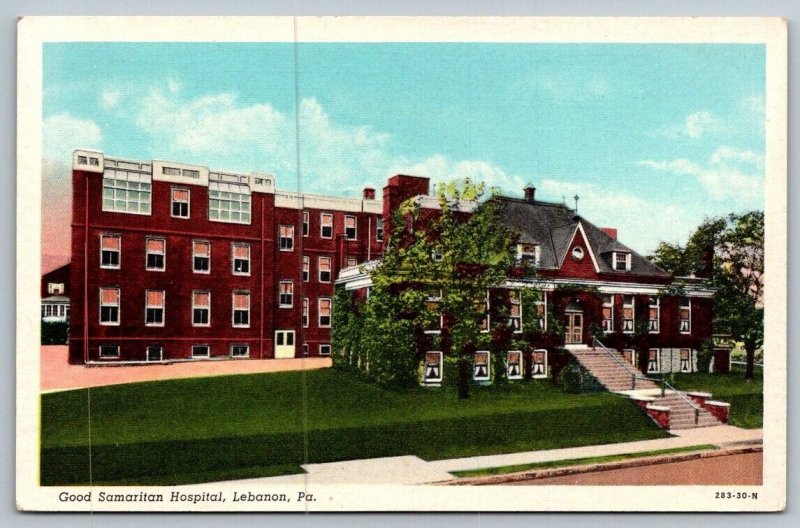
x=695 y=126
x=62 y=133
x=443 y=169
x=109 y=98
x=173 y=86
x=728 y=173
x=753 y=104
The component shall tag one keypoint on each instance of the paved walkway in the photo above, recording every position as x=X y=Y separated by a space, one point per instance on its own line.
x=58 y=374
x=413 y=470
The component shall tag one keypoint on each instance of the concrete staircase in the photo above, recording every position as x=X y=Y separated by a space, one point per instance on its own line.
x=611 y=374
x=616 y=376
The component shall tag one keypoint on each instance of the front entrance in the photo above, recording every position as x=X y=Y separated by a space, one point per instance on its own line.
x=574 y=328
x=284 y=344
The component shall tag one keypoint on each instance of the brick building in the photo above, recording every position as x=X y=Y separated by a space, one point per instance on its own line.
x=178 y=262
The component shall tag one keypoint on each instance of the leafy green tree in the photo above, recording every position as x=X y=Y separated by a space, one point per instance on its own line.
x=452 y=258
x=736 y=246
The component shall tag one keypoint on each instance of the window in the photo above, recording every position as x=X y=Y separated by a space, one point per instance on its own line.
x=306 y=268
x=514 y=365
x=241 y=259
x=305 y=312
x=201 y=351
x=180 y=203
x=201 y=256
x=325 y=350
x=481 y=366
x=432 y=369
x=436 y=256
x=351 y=261
x=82 y=160
x=434 y=314
x=324 y=305
x=110 y=246
x=126 y=192
x=630 y=356
x=285 y=294
x=154 y=353
x=305 y=223
x=55 y=288
x=324 y=269
x=686 y=360
x=156 y=249
x=515 y=313
x=654 y=317
x=286 y=234
x=483 y=308
x=94 y=161
x=628 y=306
x=653 y=361
x=539 y=366
x=154 y=308
x=109 y=351
x=201 y=308
x=379 y=229
x=577 y=253
x=240 y=351
x=228 y=202
x=305 y=349
x=109 y=306
x=326 y=225
x=528 y=253
x=622 y=261
x=608 y=313
x=350 y=227
x=541 y=311
x=685 y=316
x=241 y=309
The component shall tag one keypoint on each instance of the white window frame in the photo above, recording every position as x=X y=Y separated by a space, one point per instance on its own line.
x=225 y=205
x=206 y=355
x=282 y=304
x=306 y=223
x=234 y=309
x=658 y=361
x=488 y=375
x=304 y=316
x=118 y=307
x=195 y=255
x=543 y=318
x=633 y=314
x=322 y=225
x=208 y=308
x=354 y=228
x=650 y=306
x=304 y=349
x=511 y=302
x=249 y=259
x=379 y=234
x=306 y=269
x=351 y=262
x=319 y=269
x=118 y=186
x=147 y=253
x=680 y=319
x=55 y=288
x=118 y=251
x=680 y=359
x=188 y=202
x=529 y=256
x=609 y=304
x=432 y=381
x=488 y=316
x=319 y=312
x=163 y=308
x=543 y=374
x=246 y=346
x=115 y=355
x=323 y=345
x=290 y=238
x=438 y=300
x=521 y=365
x=615 y=255
x=160 y=353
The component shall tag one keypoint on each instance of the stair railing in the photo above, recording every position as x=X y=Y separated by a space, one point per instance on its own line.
x=635 y=374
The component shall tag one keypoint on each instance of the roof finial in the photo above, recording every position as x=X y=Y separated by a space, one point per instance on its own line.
x=576 y=202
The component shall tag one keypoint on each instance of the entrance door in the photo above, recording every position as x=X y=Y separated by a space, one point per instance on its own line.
x=284 y=344
x=574 y=334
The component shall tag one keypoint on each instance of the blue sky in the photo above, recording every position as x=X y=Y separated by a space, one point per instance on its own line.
x=652 y=137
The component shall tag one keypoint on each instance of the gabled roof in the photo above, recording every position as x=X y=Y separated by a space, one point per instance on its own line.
x=553 y=226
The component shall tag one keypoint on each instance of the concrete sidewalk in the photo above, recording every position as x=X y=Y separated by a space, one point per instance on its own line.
x=413 y=470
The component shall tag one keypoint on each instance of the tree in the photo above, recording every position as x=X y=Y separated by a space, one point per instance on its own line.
x=445 y=263
x=735 y=247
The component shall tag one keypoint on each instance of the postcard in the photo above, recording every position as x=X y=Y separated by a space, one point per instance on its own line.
x=284 y=264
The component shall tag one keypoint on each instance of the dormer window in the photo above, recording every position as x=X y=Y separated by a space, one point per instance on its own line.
x=621 y=261
x=529 y=253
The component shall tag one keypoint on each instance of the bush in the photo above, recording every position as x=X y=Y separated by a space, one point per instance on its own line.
x=55 y=333
x=575 y=379
x=705 y=355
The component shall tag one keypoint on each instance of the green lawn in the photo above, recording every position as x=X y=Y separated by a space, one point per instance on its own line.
x=746 y=399
x=229 y=427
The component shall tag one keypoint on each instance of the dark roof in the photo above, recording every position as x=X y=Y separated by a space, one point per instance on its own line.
x=553 y=225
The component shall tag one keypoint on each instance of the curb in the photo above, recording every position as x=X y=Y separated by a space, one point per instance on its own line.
x=591 y=468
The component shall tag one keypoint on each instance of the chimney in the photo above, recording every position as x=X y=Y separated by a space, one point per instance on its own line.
x=530 y=193
x=610 y=231
x=369 y=193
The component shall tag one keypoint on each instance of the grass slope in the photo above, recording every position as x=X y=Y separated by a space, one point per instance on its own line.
x=229 y=427
x=746 y=399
